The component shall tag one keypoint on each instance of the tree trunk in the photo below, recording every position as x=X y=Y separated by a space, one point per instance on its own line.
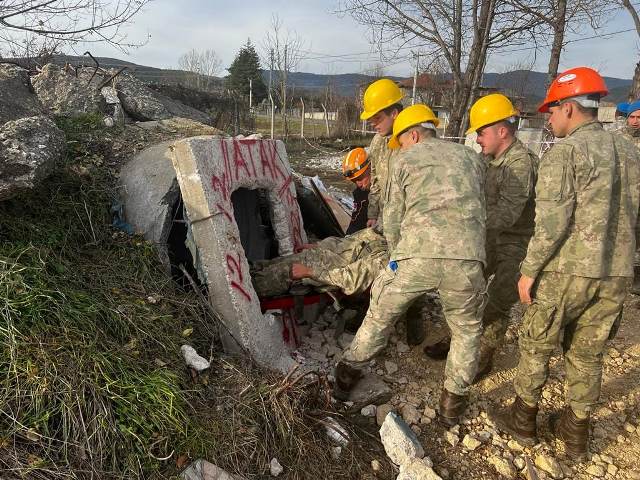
x=634 y=93
x=559 y=25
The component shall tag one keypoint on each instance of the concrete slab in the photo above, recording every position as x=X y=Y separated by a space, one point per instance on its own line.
x=209 y=169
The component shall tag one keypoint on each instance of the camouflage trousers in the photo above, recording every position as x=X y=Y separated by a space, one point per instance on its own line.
x=461 y=286
x=580 y=314
x=504 y=265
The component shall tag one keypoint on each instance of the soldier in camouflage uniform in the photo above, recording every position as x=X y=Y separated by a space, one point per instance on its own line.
x=350 y=264
x=631 y=128
x=434 y=223
x=579 y=262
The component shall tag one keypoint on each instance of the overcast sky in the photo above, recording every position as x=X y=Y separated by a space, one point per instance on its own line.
x=176 y=26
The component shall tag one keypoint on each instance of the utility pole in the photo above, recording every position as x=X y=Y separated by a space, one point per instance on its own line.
x=415 y=78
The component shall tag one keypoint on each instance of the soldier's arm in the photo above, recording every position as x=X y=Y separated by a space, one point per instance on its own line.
x=555 y=204
x=356 y=277
x=514 y=193
x=374 y=192
x=394 y=209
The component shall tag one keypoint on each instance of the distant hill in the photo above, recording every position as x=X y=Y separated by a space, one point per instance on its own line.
x=529 y=84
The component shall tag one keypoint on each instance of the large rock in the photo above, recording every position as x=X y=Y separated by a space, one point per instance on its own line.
x=29 y=149
x=399 y=441
x=418 y=469
x=16 y=98
x=143 y=104
x=61 y=92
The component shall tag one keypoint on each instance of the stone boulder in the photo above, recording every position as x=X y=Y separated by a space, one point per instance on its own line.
x=16 y=98
x=399 y=441
x=143 y=104
x=62 y=93
x=29 y=149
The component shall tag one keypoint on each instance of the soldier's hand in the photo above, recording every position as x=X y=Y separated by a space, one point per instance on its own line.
x=298 y=271
x=371 y=222
x=524 y=288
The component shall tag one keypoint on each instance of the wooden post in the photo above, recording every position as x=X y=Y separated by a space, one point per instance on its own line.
x=302 y=119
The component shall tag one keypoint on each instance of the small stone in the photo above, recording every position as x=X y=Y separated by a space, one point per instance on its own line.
x=502 y=466
x=621 y=439
x=470 y=443
x=599 y=432
x=403 y=380
x=375 y=465
x=596 y=470
x=484 y=436
x=606 y=458
x=410 y=414
x=519 y=462
x=550 y=465
x=402 y=347
x=416 y=429
x=515 y=446
x=399 y=441
x=336 y=452
x=629 y=427
x=345 y=340
x=612 y=469
x=368 y=411
x=390 y=367
x=418 y=469
x=429 y=413
x=452 y=438
x=613 y=353
x=382 y=411
x=275 y=468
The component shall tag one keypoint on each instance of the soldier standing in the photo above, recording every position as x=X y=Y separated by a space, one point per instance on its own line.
x=631 y=128
x=579 y=263
x=510 y=192
x=434 y=223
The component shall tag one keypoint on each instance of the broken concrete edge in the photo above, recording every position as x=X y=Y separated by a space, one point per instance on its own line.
x=209 y=169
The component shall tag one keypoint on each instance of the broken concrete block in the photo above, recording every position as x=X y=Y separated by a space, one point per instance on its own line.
x=203 y=470
x=194 y=360
x=418 y=469
x=399 y=441
x=209 y=170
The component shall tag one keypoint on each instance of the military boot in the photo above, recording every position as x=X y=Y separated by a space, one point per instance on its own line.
x=485 y=363
x=438 y=351
x=346 y=378
x=451 y=407
x=519 y=421
x=573 y=431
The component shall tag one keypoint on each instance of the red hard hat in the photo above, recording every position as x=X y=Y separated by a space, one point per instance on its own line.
x=572 y=83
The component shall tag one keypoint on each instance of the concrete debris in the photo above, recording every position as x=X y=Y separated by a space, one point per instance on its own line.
x=368 y=411
x=470 y=443
x=194 y=360
x=62 y=93
x=209 y=171
x=503 y=466
x=336 y=432
x=143 y=104
x=203 y=470
x=370 y=390
x=550 y=465
x=16 y=98
x=399 y=441
x=29 y=150
x=418 y=469
x=275 y=468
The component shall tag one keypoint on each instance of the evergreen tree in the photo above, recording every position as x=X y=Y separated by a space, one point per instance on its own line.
x=246 y=66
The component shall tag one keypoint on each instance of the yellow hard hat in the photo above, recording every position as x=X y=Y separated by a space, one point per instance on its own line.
x=410 y=117
x=490 y=109
x=379 y=95
x=355 y=163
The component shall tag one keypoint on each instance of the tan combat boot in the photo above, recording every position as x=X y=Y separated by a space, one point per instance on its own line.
x=519 y=421
x=573 y=431
x=346 y=378
x=451 y=408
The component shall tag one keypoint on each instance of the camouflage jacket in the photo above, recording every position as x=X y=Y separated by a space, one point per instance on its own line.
x=380 y=156
x=510 y=190
x=436 y=205
x=365 y=255
x=587 y=200
x=632 y=134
